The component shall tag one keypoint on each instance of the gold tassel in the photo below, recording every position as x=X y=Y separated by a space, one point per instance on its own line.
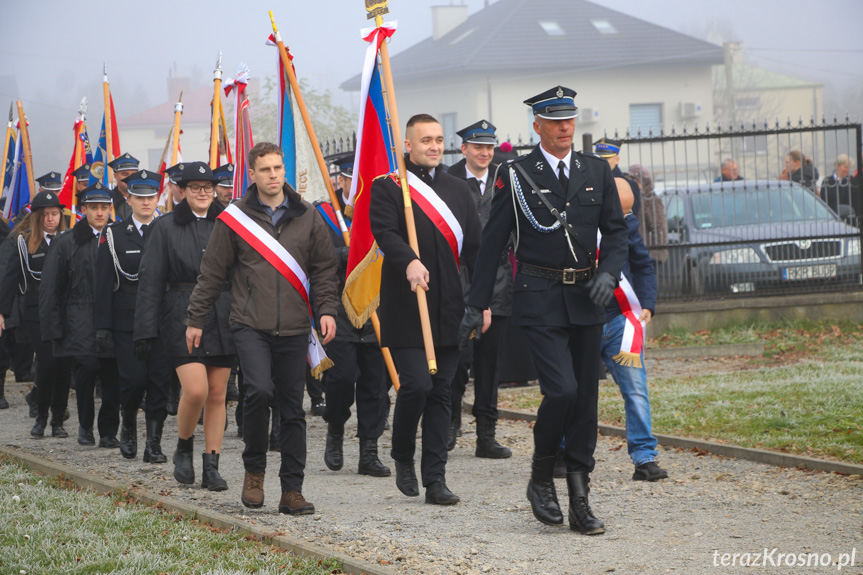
x=318 y=372
x=628 y=359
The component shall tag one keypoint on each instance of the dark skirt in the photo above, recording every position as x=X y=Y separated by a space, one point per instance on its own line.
x=208 y=361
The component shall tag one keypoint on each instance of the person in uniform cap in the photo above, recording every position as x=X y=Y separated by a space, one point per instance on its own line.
x=609 y=150
x=66 y=313
x=554 y=201
x=123 y=166
x=82 y=177
x=176 y=192
x=225 y=185
x=50 y=182
x=33 y=237
x=478 y=142
x=117 y=266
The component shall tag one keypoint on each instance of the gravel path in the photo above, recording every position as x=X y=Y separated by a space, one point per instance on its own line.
x=710 y=506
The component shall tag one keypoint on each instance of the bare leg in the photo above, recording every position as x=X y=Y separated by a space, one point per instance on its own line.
x=193 y=380
x=214 y=410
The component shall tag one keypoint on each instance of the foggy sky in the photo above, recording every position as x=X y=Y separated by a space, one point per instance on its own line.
x=55 y=49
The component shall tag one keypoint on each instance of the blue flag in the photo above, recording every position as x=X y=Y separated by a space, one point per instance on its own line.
x=98 y=171
x=18 y=197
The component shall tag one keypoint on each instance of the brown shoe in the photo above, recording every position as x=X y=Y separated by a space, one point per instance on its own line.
x=293 y=503
x=253 y=490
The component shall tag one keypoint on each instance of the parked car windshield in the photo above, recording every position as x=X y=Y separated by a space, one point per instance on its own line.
x=722 y=209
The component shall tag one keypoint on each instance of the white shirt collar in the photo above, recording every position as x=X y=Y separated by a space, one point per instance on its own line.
x=138 y=224
x=553 y=161
x=45 y=236
x=95 y=231
x=482 y=181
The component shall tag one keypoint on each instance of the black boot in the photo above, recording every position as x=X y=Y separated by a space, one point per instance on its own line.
x=184 y=471
x=57 y=429
x=173 y=395
x=406 y=478
x=153 y=447
x=454 y=427
x=129 y=434
x=38 y=430
x=3 y=403
x=334 y=451
x=31 y=402
x=210 y=478
x=85 y=436
x=581 y=516
x=275 y=442
x=486 y=445
x=369 y=462
x=541 y=492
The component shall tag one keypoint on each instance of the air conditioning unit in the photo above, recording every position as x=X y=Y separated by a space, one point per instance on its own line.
x=588 y=115
x=690 y=109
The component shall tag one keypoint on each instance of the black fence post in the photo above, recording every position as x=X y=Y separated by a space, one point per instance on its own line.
x=587 y=143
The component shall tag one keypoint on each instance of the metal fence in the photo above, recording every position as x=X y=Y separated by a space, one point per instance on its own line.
x=779 y=219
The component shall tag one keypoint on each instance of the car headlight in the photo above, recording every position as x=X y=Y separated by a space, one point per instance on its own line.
x=735 y=256
x=852 y=247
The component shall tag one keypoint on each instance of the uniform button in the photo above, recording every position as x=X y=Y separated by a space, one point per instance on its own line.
x=567 y=204
x=524 y=285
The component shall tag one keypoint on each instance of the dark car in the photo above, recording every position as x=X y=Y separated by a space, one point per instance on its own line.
x=755 y=236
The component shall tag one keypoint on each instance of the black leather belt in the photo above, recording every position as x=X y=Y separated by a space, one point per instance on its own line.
x=129 y=288
x=566 y=276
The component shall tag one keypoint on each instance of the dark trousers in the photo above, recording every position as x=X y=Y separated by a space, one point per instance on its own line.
x=361 y=366
x=53 y=375
x=21 y=353
x=484 y=360
x=314 y=386
x=425 y=396
x=87 y=367
x=271 y=363
x=139 y=377
x=565 y=361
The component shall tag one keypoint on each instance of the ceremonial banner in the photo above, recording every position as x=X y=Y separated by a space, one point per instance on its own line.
x=97 y=166
x=242 y=129
x=633 y=332
x=18 y=197
x=9 y=162
x=81 y=154
x=374 y=157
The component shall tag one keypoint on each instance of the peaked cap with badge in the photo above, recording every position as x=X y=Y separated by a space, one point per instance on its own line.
x=481 y=132
x=125 y=162
x=51 y=181
x=554 y=104
x=143 y=183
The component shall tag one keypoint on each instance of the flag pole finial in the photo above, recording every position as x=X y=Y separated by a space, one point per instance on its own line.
x=104 y=71
x=276 y=34
x=11 y=112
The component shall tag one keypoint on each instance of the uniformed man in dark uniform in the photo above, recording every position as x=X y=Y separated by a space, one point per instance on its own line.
x=358 y=366
x=123 y=166
x=82 y=177
x=554 y=200
x=66 y=313
x=117 y=266
x=225 y=187
x=609 y=150
x=478 y=141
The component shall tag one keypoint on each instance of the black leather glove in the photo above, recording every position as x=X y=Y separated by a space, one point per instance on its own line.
x=142 y=349
x=602 y=288
x=104 y=341
x=471 y=323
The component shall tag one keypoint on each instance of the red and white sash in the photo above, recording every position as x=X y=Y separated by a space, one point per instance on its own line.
x=437 y=211
x=633 y=332
x=272 y=251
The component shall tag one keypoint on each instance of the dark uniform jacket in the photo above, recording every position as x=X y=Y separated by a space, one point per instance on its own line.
x=638 y=269
x=66 y=296
x=501 y=299
x=116 y=293
x=263 y=299
x=122 y=209
x=591 y=203
x=22 y=278
x=7 y=262
x=168 y=273
x=400 y=322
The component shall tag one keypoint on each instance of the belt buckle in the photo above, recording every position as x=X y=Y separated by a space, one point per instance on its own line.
x=569 y=276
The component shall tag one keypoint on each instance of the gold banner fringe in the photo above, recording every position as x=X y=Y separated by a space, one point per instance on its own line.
x=360 y=319
x=628 y=359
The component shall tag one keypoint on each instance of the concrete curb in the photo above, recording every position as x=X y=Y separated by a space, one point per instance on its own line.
x=700 y=351
x=214 y=518
x=776 y=458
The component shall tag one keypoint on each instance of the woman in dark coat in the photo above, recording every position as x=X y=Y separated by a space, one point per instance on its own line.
x=168 y=273
x=33 y=237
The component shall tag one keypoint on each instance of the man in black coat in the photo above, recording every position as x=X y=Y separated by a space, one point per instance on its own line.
x=123 y=166
x=435 y=270
x=476 y=167
x=117 y=264
x=555 y=200
x=66 y=313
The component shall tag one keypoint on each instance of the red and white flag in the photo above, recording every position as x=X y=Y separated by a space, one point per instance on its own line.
x=242 y=129
x=632 y=342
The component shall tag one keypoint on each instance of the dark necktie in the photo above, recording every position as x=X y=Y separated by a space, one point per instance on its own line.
x=475 y=184
x=50 y=238
x=561 y=175
x=144 y=229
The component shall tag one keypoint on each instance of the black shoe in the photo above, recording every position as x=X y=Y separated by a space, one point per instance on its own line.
x=153 y=447
x=23 y=377
x=334 y=450
x=581 y=517
x=210 y=478
x=85 y=436
x=369 y=462
x=38 y=430
x=129 y=435
x=319 y=406
x=109 y=442
x=406 y=479
x=437 y=493
x=31 y=403
x=65 y=415
x=486 y=445
x=184 y=470
x=59 y=431
x=541 y=492
x=649 y=471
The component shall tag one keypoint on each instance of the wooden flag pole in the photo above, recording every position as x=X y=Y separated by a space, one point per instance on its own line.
x=76 y=164
x=28 y=152
x=295 y=88
x=9 y=132
x=109 y=136
x=422 y=301
x=216 y=107
x=175 y=147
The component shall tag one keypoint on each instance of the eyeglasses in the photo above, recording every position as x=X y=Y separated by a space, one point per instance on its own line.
x=196 y=189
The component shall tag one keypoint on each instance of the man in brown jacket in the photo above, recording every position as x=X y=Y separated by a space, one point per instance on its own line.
x=270 y=319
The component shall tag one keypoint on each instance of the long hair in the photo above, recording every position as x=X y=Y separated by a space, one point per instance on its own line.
x=33 y=224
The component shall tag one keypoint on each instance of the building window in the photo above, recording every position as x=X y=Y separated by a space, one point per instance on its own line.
x=646 y=118
x=449 y=123
x=551 y=28
x=603 y=26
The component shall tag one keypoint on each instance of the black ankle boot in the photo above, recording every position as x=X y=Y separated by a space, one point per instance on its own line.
x=486 y=445
x=406 y=478
x=210 y=478
x=129 y=434
x=153 y=447
x=581 y=516
x=369 y=462
x=57 y=429
x=541 y=492
x=38 y=430
x=334 y=451
x=3 y=403
x=184 y=470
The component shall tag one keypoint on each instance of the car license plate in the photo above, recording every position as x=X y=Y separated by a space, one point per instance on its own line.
x=809 y=272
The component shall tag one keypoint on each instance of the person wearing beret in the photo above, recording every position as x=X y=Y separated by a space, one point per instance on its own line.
x=554 y=201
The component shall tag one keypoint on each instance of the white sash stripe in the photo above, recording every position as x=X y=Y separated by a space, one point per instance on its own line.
x=439 y=205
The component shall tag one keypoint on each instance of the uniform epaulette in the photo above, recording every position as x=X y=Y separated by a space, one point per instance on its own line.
x=589 y=155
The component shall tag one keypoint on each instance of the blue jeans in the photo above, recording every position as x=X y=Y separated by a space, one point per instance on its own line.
x=632 y=382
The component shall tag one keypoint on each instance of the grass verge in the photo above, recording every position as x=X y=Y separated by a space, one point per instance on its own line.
x=49 y=527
